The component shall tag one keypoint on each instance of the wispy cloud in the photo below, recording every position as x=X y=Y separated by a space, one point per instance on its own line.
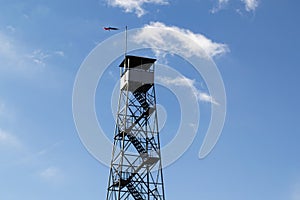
x=59 y=53
x=220 y=5
x=38 y=57
x=11 y=28
x=52 y=174
x=7 y=47
x=15 y=56
x=160 y=36
x=178 y=81
x=202 y=96
x=250 y=5
x=9 y=140
x=135 y=6
x=47 y=150
x=188 y=83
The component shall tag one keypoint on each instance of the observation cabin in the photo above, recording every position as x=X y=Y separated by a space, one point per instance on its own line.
x=136 y=72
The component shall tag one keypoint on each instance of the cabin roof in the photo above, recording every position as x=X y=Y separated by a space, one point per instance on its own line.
x=136 y=61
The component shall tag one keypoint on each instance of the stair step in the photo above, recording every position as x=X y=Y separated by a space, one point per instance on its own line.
x=136 y=143
x=141 y=98
x=134 y=192
x=131 y=137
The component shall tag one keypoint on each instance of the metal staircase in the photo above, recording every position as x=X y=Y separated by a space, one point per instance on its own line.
x=136 y=143
x=141 y=95
x=136 y=195
x=149 y=161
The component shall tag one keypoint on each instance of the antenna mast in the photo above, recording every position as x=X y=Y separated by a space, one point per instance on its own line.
x=125 y=41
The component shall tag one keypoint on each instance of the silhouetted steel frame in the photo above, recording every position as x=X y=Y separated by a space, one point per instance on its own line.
x=146 y=181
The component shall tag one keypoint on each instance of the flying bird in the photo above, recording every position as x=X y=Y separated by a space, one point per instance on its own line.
x=110 y=28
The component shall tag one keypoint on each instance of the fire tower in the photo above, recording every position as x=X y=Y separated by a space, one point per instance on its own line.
x=136 y=168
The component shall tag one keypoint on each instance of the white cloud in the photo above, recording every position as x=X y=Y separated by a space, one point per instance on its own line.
x=11 y=28
x=159 y=36
x=250 y=5
x=6 y=48
x=9 y=140
x=202 y=96
x=193 y=126
x=59 y=53
x=188 y=83
x=47 y=150
x=16 y=57
x=178 y=81
x=38 y=57
x=221 y=4
x=52 y=174
x=26 y=16
x=135 y=5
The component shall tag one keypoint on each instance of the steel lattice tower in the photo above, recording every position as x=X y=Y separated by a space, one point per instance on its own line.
x=136 y=171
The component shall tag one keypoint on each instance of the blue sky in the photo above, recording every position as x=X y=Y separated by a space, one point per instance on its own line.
x=255 y=45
